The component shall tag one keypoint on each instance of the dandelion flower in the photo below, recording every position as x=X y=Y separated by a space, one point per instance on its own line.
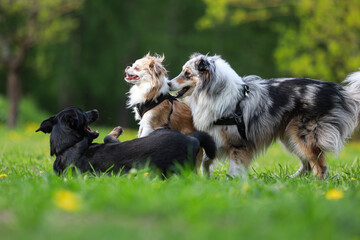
x=3 y=175
x=67 y=200
x=246 y=187
x=353 y=179
x=14 y=136
x=30 y=128
x=145 y=174
x=334 y=194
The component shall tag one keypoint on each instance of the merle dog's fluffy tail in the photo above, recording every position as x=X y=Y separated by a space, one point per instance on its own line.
x=353 y=89
x=206 y=142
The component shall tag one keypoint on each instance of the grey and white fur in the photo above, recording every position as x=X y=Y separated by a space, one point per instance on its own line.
x=310 y=117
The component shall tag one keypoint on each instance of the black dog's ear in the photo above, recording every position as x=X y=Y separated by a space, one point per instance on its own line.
x=203 y=65
x=46 y=125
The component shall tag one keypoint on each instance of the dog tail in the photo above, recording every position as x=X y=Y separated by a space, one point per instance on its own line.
x=353 y=85
x=206 y=142
x=353 y=89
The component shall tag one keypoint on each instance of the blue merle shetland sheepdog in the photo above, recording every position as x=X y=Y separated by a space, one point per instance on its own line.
x=310 y=117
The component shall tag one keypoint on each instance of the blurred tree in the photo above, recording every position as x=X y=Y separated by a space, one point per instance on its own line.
x=318 y=38
x=86 y=66
x=23 y=24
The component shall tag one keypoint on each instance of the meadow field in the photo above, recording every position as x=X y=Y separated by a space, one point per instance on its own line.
x=267 y=204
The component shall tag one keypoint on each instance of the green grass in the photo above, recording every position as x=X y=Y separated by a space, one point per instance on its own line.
x=267 y=204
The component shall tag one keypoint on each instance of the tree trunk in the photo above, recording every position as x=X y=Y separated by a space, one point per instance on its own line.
x=14 y=94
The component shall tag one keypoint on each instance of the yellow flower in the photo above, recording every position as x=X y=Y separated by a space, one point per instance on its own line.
x=66 y=200
x=353 y=179
x=41 y=171
x=14 y=136
x=3 y=175
x=246 y=187
x=334 y=194
x=145 y=174
x=30 y=128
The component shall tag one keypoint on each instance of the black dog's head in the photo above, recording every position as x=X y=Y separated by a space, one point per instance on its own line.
x=69 y=127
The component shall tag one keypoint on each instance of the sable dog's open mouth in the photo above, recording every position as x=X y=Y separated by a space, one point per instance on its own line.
x=130 y=77
x=182 y=92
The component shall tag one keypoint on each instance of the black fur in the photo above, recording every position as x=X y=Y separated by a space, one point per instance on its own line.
x=209 y=146
x=71 y=143
x=203 y=65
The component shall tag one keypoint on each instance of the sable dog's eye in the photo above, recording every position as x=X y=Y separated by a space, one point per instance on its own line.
x=187 y=75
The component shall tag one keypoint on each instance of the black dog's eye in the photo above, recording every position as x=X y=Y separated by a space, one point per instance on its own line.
x=187 y=75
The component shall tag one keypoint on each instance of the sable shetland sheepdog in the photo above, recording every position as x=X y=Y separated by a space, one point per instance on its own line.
x=154 y=107
x=246 y=114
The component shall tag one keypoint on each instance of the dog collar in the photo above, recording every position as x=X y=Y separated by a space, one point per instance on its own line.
x=142 y=108
x=237 y=117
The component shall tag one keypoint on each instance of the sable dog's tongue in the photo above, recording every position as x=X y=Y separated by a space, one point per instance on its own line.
x=131 y=77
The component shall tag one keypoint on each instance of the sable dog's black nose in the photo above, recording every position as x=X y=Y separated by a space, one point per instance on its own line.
x=169 y=84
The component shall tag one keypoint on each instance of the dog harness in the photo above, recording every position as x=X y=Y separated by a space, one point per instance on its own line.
x=142 y=108
x=237 y=117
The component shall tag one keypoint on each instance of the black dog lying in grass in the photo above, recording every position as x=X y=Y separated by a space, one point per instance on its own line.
x=71 y=143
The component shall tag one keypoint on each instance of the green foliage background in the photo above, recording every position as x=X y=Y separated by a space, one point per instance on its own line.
x=316 y=39
x=87 y=69
x=275 y=38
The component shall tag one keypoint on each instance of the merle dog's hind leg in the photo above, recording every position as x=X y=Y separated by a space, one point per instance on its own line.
x=112 y=137
x=305 y=168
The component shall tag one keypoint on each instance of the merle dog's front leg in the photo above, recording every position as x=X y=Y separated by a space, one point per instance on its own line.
x=112 y=137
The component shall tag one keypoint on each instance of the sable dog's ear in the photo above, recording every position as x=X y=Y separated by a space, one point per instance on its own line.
x=203 y=65
x=156 y=66
x=46 y=125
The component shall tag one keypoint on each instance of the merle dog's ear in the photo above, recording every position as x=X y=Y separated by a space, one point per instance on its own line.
x=47 y=125
x=203 y=65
